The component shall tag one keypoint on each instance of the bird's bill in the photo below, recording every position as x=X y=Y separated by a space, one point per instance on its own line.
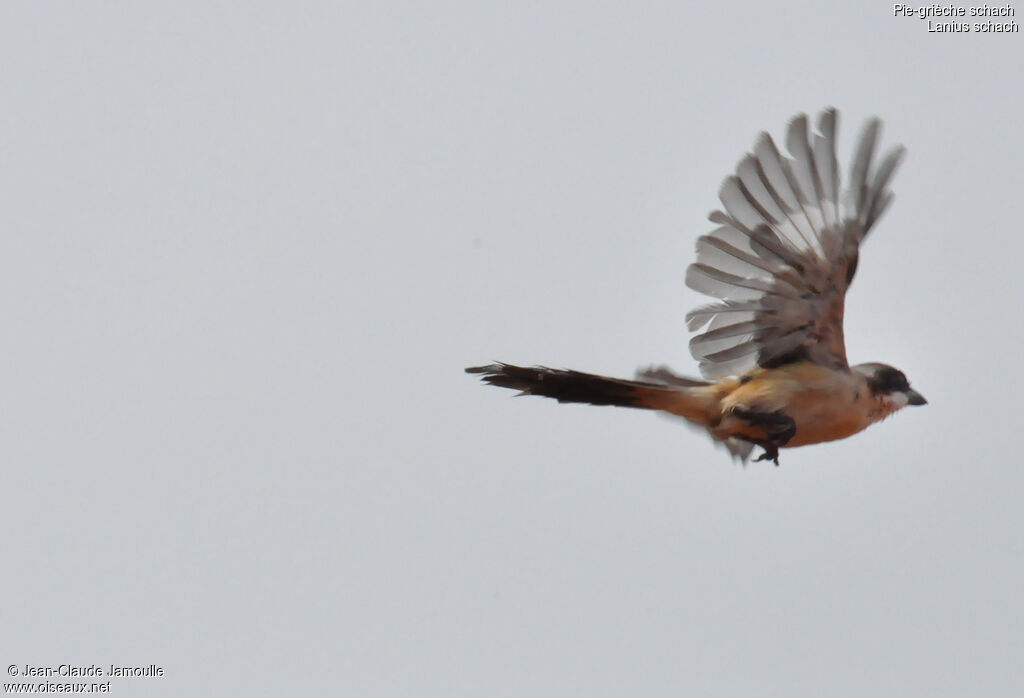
x=915 y=398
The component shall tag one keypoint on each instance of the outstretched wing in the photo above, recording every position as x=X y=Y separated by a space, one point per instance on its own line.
x=786 y=251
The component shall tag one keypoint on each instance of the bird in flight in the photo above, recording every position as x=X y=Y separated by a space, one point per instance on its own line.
x=771 y=346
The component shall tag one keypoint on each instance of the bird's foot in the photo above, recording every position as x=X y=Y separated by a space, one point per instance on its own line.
x=770 y=453
x=779 y=428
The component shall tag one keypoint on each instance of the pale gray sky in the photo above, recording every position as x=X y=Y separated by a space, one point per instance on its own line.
x=249 y=248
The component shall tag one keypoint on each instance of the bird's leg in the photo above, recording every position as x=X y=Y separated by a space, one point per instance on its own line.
x=779 y=428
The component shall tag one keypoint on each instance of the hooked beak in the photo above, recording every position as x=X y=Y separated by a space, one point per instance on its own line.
x=915 y=398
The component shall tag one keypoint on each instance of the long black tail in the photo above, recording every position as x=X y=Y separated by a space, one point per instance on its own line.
x=573 y=386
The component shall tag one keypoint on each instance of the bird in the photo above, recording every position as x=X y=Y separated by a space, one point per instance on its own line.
x=770 y=347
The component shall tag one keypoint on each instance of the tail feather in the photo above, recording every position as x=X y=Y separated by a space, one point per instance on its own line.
x=695 y=402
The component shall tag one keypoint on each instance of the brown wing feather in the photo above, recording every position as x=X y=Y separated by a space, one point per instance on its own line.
x=785 y=251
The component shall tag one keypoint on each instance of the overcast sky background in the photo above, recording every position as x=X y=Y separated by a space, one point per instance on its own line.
x=249 y=248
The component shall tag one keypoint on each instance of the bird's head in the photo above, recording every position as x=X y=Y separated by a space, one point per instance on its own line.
x=889 y=387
